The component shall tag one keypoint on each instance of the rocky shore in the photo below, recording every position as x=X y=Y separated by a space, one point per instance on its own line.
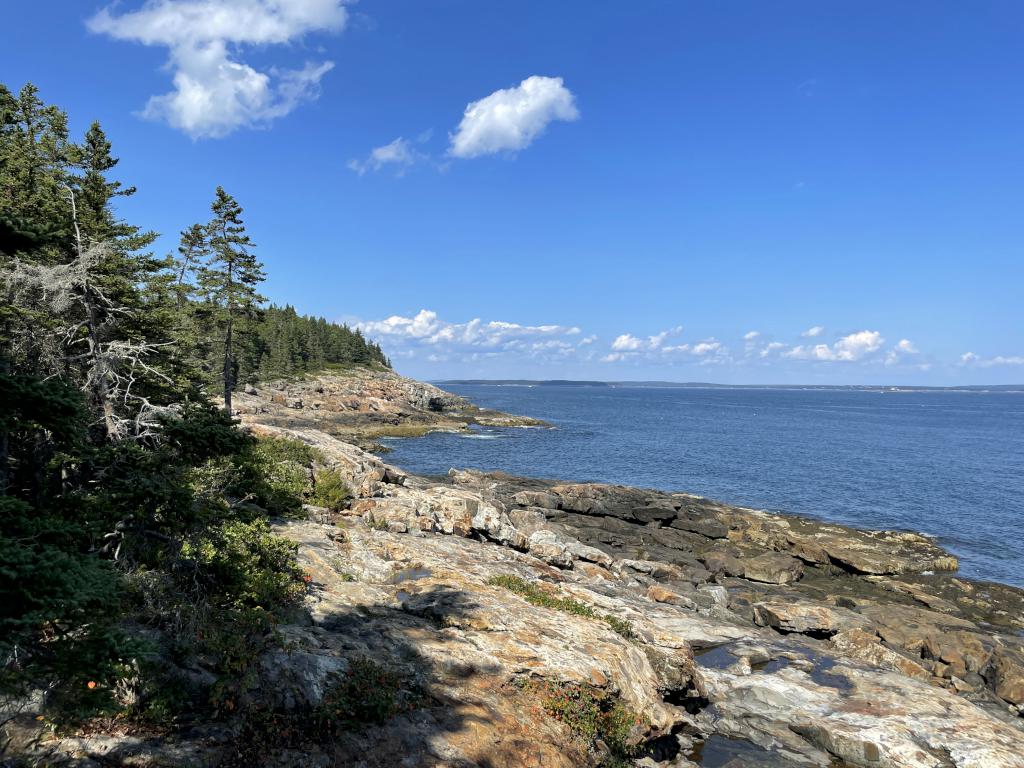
x=362 y=404
x=715 y=635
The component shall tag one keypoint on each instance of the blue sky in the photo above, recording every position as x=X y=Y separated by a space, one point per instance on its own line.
x=736 y=192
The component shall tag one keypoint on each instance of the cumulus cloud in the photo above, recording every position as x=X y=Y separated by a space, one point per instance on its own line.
x=655 y=349
x=626 y=343
x=475 y=337
x=511 y=118
x=398 y=154
x=214 y=92
x=771 y=347
x=813 y=331
x=751 y=335
x=851 y=348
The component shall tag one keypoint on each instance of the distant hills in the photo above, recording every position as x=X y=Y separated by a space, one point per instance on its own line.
x=1016 y=388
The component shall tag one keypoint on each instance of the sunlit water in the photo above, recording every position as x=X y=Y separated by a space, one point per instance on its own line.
x=948 y=464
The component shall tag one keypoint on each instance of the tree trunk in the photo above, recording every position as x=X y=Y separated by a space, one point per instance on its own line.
x=228 y=369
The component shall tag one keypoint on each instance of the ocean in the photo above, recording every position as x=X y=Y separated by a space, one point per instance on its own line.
x=947 y=464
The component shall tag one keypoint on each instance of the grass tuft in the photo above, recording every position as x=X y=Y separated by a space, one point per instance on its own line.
x=542 y=598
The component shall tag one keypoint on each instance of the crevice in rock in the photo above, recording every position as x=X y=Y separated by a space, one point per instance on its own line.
x=690 y=698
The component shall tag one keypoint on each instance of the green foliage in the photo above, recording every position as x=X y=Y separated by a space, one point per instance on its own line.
x=49 y=592
x=590 y=714
x=377 y=523
x=330 y=490
x=275 y=473
x=620 y=626
x=543 y=598
x=365 y=694
x=126 y=497
x=243 y=565
x=288 y=344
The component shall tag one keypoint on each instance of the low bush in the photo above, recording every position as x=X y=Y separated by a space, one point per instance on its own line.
x=330 y=490
x=366 y=694
x=243 y=565
x=591 y=714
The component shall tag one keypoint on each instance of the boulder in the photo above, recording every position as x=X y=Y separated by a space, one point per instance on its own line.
x=654 y=513
x=548 y=547
x=1007 y=675
x=773 y=568
x=723 y=563
x=806 y=618
x=707 y=527
x=868 y=647
x=540 y=499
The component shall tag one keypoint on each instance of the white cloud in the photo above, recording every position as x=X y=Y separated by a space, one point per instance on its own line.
x=771 y=347
x=903 y=349
x=424 y=334
x=969 y=358
x=751 y=335
x=475 y=337
x=816 y=330
x=626 y=343
x=850 y=348
x=399 y=153
x=214 y=92
x=510 y=119
x=706 y=347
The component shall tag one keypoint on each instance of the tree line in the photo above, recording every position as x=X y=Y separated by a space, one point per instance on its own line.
x=114 y=459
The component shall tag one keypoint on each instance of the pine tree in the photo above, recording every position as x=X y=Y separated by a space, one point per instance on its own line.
x=229 y=281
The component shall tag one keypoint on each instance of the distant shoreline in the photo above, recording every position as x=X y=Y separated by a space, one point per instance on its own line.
x=885 y=389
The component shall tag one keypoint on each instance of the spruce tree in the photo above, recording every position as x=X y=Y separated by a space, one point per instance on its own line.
x=229 y=281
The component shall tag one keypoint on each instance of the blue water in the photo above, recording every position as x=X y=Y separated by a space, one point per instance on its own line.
x=948 y=464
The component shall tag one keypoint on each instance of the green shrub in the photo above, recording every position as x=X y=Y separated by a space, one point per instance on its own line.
x=58 y=606
x=590 y=714
x=330 y=490
x=244 y=565
x=365 y=694
x=275 y=473
x=621 y=626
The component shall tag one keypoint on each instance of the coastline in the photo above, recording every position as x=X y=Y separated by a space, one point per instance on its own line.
x=751 y=593
x=682 y=631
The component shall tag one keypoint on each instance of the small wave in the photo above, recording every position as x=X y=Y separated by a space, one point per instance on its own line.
x=482 y=437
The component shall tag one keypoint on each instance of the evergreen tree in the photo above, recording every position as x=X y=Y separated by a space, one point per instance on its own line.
x=228 y=281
